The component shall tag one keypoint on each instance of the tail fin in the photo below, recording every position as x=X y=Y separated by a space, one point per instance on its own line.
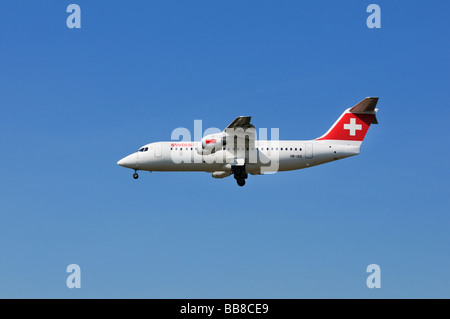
x=354 y=123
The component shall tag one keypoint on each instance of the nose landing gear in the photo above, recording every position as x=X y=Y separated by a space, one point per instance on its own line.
x=239 y=174
x=135 y=175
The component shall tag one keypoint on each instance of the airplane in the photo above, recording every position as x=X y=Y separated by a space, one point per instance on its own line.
x=236 y=151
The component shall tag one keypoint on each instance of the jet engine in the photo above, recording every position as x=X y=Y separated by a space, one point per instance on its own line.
x=220 y=174
x=211 y=143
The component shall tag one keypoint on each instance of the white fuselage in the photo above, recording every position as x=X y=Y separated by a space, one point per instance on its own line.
x=266 y=156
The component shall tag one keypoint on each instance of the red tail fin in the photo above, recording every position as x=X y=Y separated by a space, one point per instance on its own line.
x=354 y=123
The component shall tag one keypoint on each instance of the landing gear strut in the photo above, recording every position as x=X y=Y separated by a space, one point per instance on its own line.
x=135 y=175
x=239 y=174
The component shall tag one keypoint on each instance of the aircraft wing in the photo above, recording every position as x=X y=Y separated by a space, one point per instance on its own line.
x=241 y=135
x=242 y=122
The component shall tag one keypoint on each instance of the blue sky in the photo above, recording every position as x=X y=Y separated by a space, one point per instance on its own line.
x=73 y=102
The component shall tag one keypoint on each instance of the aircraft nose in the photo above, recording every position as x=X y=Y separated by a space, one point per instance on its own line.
x=129 y=161
x=122 y=162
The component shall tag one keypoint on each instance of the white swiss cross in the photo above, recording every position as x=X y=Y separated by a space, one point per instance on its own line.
x=353 y=127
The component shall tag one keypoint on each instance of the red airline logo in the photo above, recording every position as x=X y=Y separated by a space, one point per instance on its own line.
x=181 y=145
x=351 y=127
x=213 y=140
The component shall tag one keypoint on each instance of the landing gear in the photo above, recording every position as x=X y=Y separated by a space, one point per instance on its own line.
x=135 y=175
x=239 y=174
x=240 y=181
x=238 y=170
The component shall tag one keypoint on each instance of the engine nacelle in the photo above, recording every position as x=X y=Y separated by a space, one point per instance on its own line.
x=211 y=143
x=221 y=174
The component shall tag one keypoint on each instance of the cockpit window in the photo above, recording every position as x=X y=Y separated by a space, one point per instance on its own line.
x=143 y=149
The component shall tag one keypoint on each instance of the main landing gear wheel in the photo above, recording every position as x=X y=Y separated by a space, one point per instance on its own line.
x=239 y=174
x=240 y=181
x=135 y=175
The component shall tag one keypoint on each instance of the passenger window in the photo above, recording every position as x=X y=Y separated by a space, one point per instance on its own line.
x=291 y=148
x=295 y=148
